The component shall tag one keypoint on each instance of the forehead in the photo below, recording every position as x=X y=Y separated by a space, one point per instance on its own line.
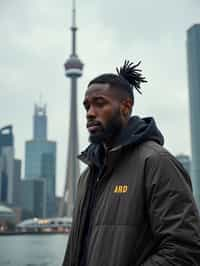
x=99 y=90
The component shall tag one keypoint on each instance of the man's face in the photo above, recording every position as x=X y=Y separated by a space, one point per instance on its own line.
x=102 y=112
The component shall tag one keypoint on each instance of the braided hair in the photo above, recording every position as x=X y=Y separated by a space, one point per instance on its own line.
x=128 y=78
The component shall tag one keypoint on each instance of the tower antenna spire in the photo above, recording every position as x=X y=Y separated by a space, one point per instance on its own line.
x=74 y=28
x=74 y=14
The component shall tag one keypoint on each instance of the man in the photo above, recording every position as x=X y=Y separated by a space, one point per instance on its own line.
x=134 y=202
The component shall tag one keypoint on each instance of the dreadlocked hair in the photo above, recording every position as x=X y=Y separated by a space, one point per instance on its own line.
x=128 y=77
x=133 y=75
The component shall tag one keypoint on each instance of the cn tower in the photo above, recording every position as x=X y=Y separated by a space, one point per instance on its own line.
x=73 y=71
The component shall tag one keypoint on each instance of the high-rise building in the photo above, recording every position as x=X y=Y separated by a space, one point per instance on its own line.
x=16 y=181
x=48 y=169
x=40 y=123
x=33 y=197
x=193 y=55
x=185 y=161
x=73 y=71
x=40 y=156
x=6 y=164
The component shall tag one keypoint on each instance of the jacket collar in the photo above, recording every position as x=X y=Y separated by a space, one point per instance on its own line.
x=137 y=131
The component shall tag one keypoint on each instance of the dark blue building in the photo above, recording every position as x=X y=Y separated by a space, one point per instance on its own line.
x=6 y=164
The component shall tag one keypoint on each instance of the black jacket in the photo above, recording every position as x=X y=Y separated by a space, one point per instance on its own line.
x=143 y=211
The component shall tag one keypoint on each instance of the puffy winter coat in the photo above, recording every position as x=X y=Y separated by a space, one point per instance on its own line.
x=144 y=213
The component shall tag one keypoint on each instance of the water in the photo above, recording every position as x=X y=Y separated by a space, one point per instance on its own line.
x=32 y=250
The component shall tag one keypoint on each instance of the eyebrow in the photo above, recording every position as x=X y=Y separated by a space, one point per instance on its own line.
x=95 y=98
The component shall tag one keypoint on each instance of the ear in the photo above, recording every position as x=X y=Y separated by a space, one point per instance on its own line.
x=126 y=106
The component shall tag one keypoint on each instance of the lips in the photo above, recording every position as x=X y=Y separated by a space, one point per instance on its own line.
x=93 y=126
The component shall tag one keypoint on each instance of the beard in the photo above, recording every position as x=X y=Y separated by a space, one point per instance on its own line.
x=108 y=132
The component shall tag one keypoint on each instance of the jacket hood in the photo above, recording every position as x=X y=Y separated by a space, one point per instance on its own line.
x=137 y=131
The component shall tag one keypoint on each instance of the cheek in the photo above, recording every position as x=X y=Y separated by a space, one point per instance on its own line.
x=104 y=115
x=108 y=115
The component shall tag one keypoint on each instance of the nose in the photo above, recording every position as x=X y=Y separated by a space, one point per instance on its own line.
x=91 y=114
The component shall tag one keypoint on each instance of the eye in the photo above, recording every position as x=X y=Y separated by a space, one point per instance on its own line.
x=100 y=102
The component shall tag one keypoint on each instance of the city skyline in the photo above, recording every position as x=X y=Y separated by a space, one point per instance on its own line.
x=43 y=42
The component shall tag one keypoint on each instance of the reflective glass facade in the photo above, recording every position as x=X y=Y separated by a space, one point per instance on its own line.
x=193 y=54
x=40 y=157
x=6 y=164
x=34 y=152
x=33 y=196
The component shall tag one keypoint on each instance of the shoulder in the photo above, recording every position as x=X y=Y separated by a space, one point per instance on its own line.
x=157 y=154
x=163 y=165
x=151 y=149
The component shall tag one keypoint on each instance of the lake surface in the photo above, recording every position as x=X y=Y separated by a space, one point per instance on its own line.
x=32 y=250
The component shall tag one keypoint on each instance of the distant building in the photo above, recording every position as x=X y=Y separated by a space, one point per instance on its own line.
x=193 y=54
x=7 y=218
x=6 y=164
x=185 y=161
x=40 y=157
x=34 y=197
x=48 y=169
x=17 y=181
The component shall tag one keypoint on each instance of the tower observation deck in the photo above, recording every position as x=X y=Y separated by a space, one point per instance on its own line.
x=73 y=70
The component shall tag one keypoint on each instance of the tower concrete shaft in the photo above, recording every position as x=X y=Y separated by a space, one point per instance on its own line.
x=73 y=70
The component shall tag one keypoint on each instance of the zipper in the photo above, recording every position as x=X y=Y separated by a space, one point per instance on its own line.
x=97 y=185
x=79 y=227
x=92 y=208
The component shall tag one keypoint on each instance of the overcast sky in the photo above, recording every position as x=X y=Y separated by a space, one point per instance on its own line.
x=36 y=41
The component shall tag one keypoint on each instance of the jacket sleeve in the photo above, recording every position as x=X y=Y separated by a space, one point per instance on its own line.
x=173 y=214
x=69 y=253
x=66 y=261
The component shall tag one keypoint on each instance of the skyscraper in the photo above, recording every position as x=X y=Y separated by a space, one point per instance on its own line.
x=16 y=181
x=40 y=157
x=48 y=168
x=193 y=55
x=6 y=164
x=73 y=70
x=40 y=123
x=34 y=196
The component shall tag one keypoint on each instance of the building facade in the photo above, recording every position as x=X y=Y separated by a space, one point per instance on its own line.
x=17 y=181
x=6 y=165
x=34 y=196
x=193 y=55
x=48 y=168
x=40 y=158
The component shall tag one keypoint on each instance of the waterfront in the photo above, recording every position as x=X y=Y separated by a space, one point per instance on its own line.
x=32 y=250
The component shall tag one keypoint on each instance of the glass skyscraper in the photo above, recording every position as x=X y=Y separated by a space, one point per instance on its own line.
x=40 y=156
x=6 y=164
x=193 y=55
x=33 y=197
